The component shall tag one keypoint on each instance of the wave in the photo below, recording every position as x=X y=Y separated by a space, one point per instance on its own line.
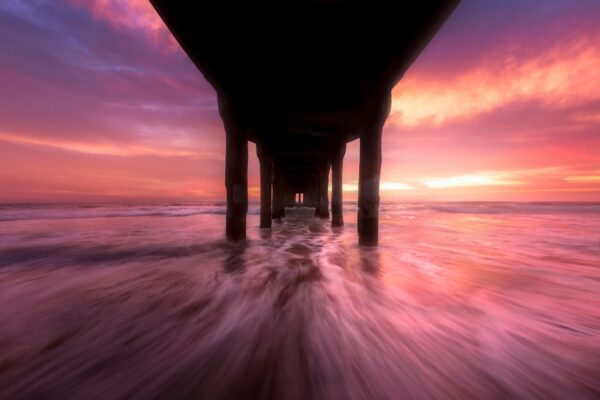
x=91 y=211
x=494 y=207
x=58 y=254
x=517 y=208
x=503 y=308
x=24 y=212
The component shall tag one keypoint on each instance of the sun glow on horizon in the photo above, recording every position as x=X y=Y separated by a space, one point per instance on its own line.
x=467 y=180
x=583 y=178
x=383 y=186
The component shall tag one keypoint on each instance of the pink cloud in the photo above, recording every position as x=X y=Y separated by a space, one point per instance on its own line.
x=131 y=14
x=566 y=74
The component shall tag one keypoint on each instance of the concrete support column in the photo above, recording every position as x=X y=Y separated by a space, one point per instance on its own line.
x=369 y=172
x=278 y=199
x=323 y=206
x=313 y=194
x=317 y=192
x=307 y=197
x=337 y=202
x=236 y=182
x=291 y=197
x=266 y=180
x=286 y=195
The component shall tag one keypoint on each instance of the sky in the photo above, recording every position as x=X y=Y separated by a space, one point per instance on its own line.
x=99 y=103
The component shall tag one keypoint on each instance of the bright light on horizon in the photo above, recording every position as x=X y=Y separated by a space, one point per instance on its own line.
x=466 y=180
x=583 y=178
x=383 y=186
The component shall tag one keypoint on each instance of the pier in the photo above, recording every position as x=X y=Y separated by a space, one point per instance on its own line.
x=301 y=79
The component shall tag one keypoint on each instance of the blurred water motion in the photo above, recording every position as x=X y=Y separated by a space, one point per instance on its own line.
x=460 y=300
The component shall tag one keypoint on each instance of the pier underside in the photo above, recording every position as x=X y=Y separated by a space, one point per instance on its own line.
x=301 y=79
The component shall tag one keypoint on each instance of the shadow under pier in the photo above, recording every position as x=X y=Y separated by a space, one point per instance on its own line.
x=301 y=81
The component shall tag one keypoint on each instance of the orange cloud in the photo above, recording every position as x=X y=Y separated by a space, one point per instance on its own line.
x=566 y=74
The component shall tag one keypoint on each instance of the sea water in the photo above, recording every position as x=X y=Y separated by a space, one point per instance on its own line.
x=460 y=300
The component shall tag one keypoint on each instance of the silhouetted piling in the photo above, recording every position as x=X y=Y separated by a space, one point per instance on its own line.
x=337 y=163
x=266 y=182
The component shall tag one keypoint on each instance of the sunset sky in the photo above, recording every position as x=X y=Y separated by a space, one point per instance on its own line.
x=98 y=102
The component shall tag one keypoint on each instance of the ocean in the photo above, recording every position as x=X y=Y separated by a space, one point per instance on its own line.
x=468 y=300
